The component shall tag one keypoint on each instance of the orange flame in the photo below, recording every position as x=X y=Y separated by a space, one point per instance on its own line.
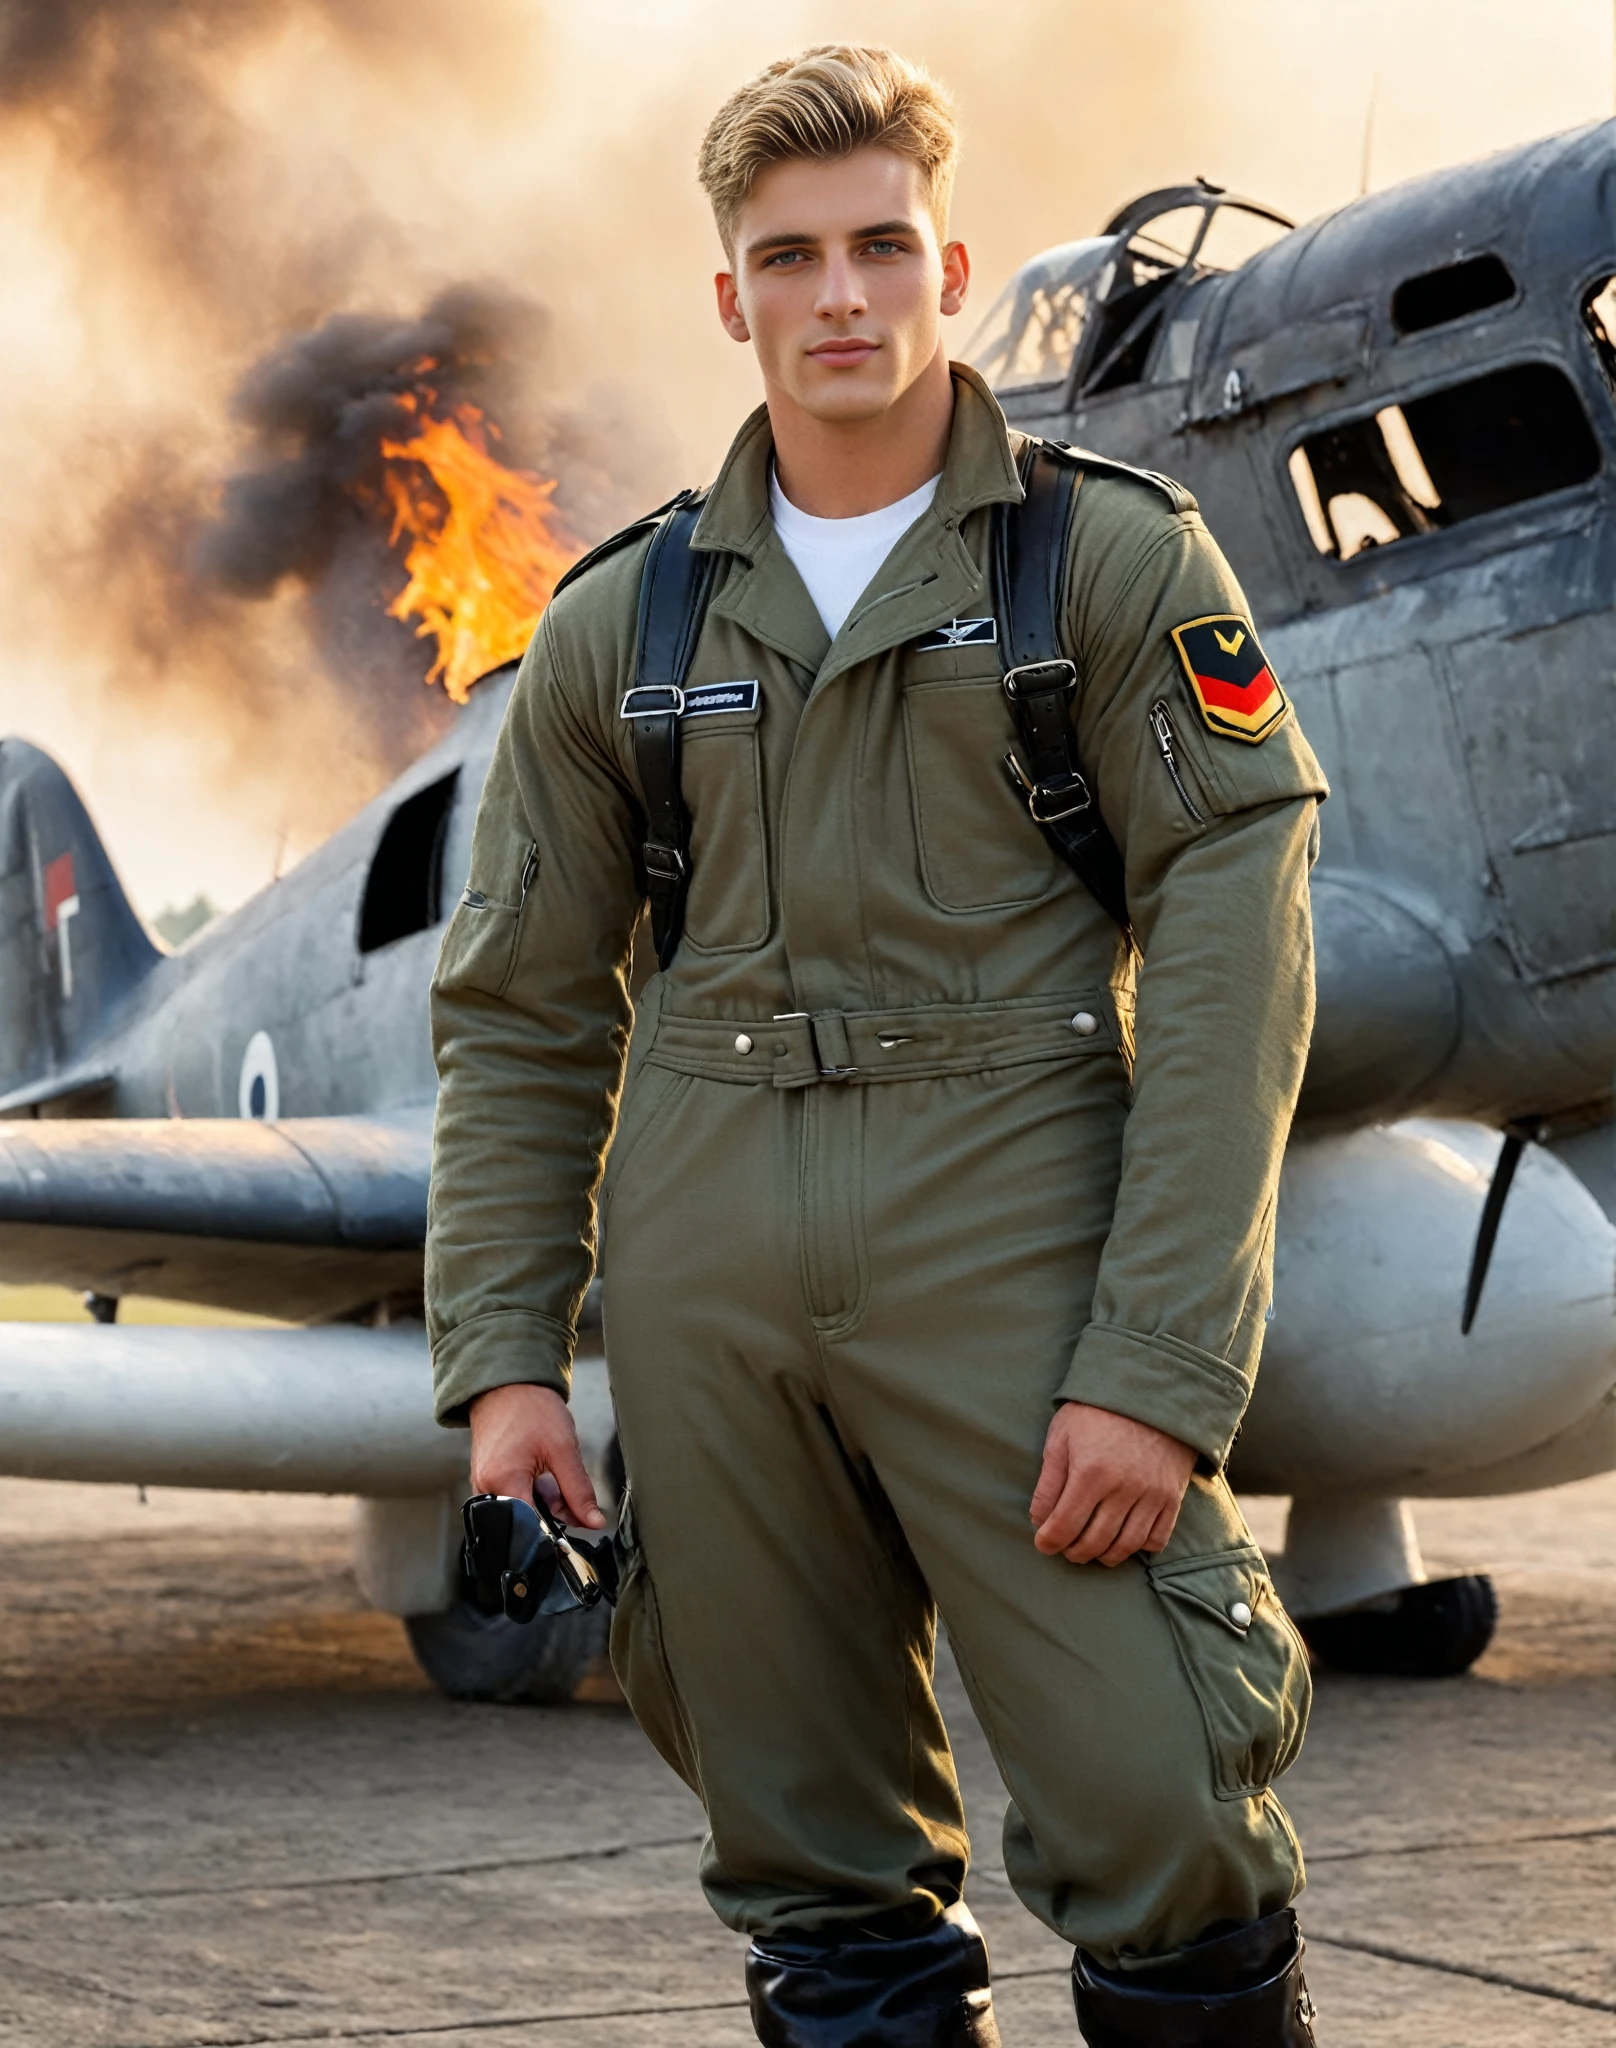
x=485 y=551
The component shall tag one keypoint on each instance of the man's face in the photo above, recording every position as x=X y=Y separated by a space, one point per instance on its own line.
x=839 y=282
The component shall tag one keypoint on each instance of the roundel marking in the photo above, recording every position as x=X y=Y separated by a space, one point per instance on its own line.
x=258 y=1093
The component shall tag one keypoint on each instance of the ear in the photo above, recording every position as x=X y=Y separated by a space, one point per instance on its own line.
x=956 y=276
x=729 y=307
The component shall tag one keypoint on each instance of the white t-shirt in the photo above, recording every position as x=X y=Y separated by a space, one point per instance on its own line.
x=838 y=558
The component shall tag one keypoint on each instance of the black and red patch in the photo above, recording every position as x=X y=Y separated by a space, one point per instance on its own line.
x=1237 y=693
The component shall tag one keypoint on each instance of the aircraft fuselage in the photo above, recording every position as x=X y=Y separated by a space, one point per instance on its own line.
x=1456 y=677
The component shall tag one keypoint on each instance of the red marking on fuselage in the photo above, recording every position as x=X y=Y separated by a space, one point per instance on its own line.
x=59 y=887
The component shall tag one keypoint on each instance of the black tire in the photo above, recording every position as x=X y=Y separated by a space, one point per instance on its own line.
x=1433 y=1631
x=472 y=1656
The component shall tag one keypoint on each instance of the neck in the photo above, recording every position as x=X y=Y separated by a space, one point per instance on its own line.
x=838 y=469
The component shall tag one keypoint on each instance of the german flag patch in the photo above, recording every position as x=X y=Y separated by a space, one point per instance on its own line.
x=1229 y=677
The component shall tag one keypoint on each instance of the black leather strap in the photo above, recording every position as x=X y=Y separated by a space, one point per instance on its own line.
x=673 y=602
x=1029 y=561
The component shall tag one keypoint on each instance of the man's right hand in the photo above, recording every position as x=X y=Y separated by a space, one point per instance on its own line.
x=522 y=1436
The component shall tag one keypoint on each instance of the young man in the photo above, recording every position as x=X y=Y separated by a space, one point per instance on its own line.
x=938 y=1230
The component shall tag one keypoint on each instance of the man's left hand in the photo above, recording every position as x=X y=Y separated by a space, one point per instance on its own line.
x=1110 y=1486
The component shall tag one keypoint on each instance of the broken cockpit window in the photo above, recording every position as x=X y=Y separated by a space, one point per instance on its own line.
x=1085 y=318
x=1126 y=325
x=1435 y=461
x=1032 y=329
x=1599 y=317
x=1452 y=293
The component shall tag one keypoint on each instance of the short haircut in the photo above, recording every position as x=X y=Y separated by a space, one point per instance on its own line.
x=826 y=103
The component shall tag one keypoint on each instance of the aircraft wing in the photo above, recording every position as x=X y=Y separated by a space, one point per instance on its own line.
x=308 y=1219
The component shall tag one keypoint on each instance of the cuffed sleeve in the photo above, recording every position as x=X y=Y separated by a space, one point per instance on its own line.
x=1192 y=1395
x=504 y=1348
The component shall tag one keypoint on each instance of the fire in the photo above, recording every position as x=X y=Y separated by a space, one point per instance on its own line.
x=486 y=549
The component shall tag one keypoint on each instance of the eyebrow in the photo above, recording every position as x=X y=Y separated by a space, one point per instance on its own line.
x=787 y=239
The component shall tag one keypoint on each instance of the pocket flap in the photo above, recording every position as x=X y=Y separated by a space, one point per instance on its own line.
x=1229 y=1586
x=1245 y=1661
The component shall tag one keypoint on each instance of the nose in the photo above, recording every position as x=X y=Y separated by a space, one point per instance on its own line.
x=841 y=292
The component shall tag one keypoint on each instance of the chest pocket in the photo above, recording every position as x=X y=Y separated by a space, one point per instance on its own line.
x=979 y=850
x=728 y=906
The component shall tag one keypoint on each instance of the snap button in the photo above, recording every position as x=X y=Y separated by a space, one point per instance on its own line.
x=779 y=1052
x=1085 y=1024
x=1240 y=1614
x=743 y=1042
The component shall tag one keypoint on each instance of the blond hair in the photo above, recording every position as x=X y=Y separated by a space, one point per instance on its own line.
x=825 y=103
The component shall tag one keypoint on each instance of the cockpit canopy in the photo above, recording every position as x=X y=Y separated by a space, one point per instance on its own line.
x=1087 y=317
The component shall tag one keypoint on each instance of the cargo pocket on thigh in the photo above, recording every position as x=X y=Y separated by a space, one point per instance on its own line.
x=638 y=1656
x=1245 y=1661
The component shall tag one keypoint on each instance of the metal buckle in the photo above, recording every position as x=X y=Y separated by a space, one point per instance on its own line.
x=1047 y=793
x=671 y=697
x=1040 y=795
x=664 y=863
x=826 y=1073
x=1053 y=675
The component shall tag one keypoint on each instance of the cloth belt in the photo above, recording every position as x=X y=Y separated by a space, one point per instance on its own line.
x=801 y=1050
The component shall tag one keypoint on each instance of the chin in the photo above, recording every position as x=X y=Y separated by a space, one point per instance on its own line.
x=847 y=404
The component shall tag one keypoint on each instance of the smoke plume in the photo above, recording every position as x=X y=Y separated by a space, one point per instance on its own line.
x=218 y=550
x=319 y=406
x=307 y=507
x=225 y=223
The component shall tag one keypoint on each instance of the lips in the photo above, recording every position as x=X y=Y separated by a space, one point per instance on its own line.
x=852 y=349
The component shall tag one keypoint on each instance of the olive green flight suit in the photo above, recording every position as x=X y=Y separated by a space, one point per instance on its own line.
x=904 y=1158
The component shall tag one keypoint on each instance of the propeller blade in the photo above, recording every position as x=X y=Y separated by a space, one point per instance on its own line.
x=1492 y=1210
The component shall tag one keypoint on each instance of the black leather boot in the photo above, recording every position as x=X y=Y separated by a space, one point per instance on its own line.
x=1240 y=1990
x=929 y=1991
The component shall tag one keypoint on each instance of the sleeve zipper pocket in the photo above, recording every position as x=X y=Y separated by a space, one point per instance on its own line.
x=474 y=899
x=1161 y=724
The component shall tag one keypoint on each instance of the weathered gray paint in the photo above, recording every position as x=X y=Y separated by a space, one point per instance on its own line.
x=1457 y=686
x=349 y=1028
x=339 y=1187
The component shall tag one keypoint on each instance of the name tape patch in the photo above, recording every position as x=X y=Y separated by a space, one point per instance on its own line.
x=1235 y=691
x=960 y=633
x=703 y=700
x=707 y=698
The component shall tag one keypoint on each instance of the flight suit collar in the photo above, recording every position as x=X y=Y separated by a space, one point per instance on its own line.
x=928 y=578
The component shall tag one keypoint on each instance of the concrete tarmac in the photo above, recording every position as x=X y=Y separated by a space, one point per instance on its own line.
x=232 y=1812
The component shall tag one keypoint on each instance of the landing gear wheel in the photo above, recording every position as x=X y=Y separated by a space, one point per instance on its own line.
x=1432 y=1631
x=473 y=1656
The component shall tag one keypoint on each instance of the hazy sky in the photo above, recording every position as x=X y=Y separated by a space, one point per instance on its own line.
x=332 y=153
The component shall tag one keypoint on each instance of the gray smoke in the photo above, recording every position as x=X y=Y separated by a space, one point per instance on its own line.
x=170 y=542
x=306 y=505
x=318 y=407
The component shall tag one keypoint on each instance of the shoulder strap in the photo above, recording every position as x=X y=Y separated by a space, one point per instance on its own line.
x=635 y=530
x=1029 y=564
x=1176 y=495
x=673 y=601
